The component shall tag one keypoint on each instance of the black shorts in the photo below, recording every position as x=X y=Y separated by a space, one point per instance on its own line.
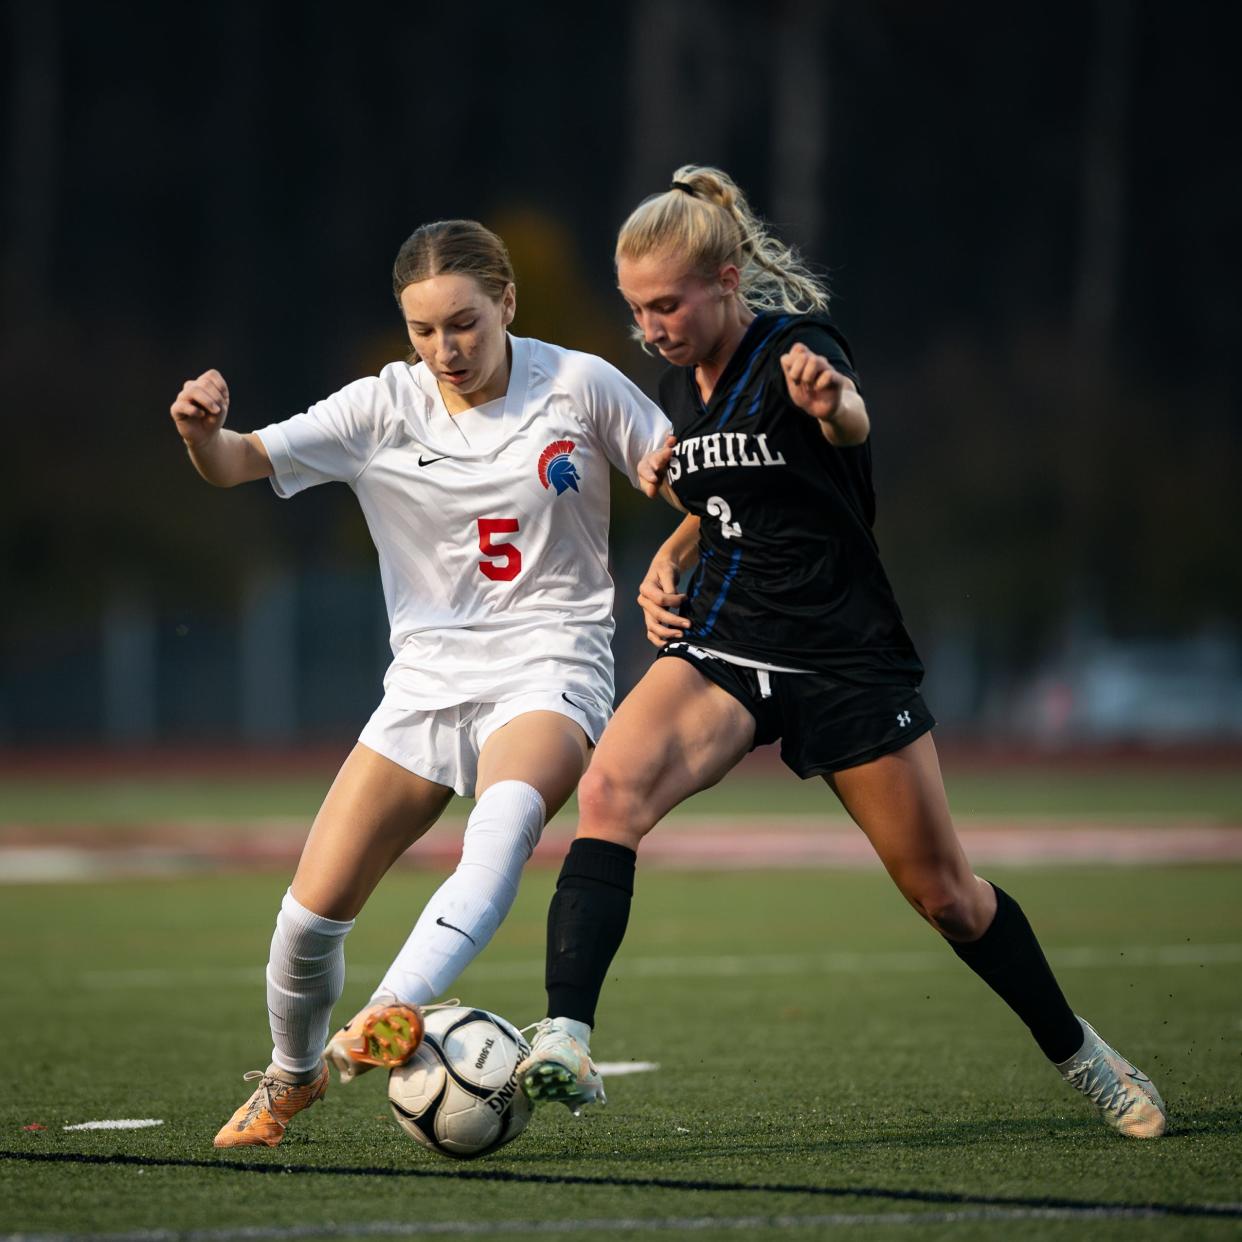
x=824 y=725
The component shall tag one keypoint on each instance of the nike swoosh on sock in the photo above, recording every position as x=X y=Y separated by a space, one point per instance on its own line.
x=458 y=930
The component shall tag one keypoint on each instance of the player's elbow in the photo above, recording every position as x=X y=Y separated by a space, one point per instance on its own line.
x=222 y=478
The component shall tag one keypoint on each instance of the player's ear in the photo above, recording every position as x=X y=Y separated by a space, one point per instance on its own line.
x=508 y=304
x=729 y=278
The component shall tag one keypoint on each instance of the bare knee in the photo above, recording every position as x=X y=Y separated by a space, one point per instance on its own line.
x=611 y=805
x=959 y=909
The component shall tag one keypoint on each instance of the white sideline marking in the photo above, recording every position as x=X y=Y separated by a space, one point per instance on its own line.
x=1086 y=957
x=623 y=1224
x=124 y=1123
x=613 y=1068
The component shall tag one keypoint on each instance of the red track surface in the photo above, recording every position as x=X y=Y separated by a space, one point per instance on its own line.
x=689 y=842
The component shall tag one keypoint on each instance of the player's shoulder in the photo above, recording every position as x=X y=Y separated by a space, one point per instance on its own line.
x=816 y=329
x=372 y=404
x=573 y=370
x=399 y=383
x=398 y=387
x=372 y=391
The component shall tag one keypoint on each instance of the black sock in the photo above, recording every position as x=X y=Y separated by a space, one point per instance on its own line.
x=1007 y=957
x=586 y=924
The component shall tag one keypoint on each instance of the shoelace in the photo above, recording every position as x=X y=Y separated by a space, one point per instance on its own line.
x=1099 y=1082
x=262 y=1097
x=543 y=1026
x=538 y=1027
x=454 y=1003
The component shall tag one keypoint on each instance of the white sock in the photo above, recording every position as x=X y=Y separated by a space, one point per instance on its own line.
x=579 y=1030
x=470 y=905
x=305 y=975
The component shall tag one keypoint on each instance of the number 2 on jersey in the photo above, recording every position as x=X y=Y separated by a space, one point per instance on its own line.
x=511 y=566
x=720 y=508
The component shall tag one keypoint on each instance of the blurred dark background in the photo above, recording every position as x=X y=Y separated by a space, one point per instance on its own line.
x=1029 y=215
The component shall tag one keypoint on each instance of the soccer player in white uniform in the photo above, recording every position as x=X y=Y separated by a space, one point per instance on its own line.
x=482 y=471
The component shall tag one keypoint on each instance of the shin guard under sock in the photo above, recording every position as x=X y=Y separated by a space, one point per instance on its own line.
x=305 y=975
x=1007 y=957
x=586 y=924
x=470 y=905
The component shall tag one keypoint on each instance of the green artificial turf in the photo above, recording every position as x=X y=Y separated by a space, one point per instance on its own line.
x=811 y=1035
x=1137 y=794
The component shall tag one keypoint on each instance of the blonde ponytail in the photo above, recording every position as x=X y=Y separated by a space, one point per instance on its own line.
x=704 y=218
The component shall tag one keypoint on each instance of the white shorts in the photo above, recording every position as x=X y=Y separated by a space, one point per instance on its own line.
x=443 y=744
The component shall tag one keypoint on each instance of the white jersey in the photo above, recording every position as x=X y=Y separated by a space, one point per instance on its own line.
x=492 y=533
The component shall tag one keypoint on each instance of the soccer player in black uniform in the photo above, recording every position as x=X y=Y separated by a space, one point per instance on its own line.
x=789 y=629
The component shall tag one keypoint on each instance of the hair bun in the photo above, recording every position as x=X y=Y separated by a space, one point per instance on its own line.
x=773 y=276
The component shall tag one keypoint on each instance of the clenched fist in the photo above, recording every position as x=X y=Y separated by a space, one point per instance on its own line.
x=201 y=407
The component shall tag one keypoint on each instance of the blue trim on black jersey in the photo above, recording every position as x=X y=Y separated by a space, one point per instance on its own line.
x=729 y=575
x=744 y=378
x=698 y=577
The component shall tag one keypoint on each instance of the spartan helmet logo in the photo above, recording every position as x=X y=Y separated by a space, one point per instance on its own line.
x=556 y=467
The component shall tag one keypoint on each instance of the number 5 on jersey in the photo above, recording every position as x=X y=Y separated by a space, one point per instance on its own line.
x=508 y=568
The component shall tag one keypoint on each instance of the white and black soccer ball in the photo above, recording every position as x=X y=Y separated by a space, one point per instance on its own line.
x=459 y=1094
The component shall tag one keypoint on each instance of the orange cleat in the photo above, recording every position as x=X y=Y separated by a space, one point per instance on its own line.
x=261 y=1120
x=384 y=1034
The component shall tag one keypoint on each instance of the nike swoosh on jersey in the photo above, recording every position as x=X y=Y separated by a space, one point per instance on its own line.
x=573 y=702
x=427 y=462
x=458 y=930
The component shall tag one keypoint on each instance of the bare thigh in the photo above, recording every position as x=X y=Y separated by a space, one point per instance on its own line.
x=543 y=749
x=900 y=804
x=373 y=813
x=675 y=734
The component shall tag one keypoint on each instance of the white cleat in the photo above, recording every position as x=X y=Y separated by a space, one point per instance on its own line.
x=1125 y=1096
x=560 y=1069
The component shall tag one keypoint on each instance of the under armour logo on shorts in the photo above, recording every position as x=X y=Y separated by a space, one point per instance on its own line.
x=903 y=719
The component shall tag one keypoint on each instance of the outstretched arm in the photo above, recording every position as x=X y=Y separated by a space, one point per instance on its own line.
x=224 y=458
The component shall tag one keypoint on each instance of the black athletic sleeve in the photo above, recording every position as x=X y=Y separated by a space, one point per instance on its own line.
x=828 y=343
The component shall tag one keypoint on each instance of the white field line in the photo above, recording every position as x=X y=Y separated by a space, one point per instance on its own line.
x=1085 y=957
x=624 y=1224
x=123 y=1123
x=613 y=1068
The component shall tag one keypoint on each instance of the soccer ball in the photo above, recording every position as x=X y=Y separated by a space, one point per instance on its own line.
x=459 y=1094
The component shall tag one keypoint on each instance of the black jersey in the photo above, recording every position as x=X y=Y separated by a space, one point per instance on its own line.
x=789 y=572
